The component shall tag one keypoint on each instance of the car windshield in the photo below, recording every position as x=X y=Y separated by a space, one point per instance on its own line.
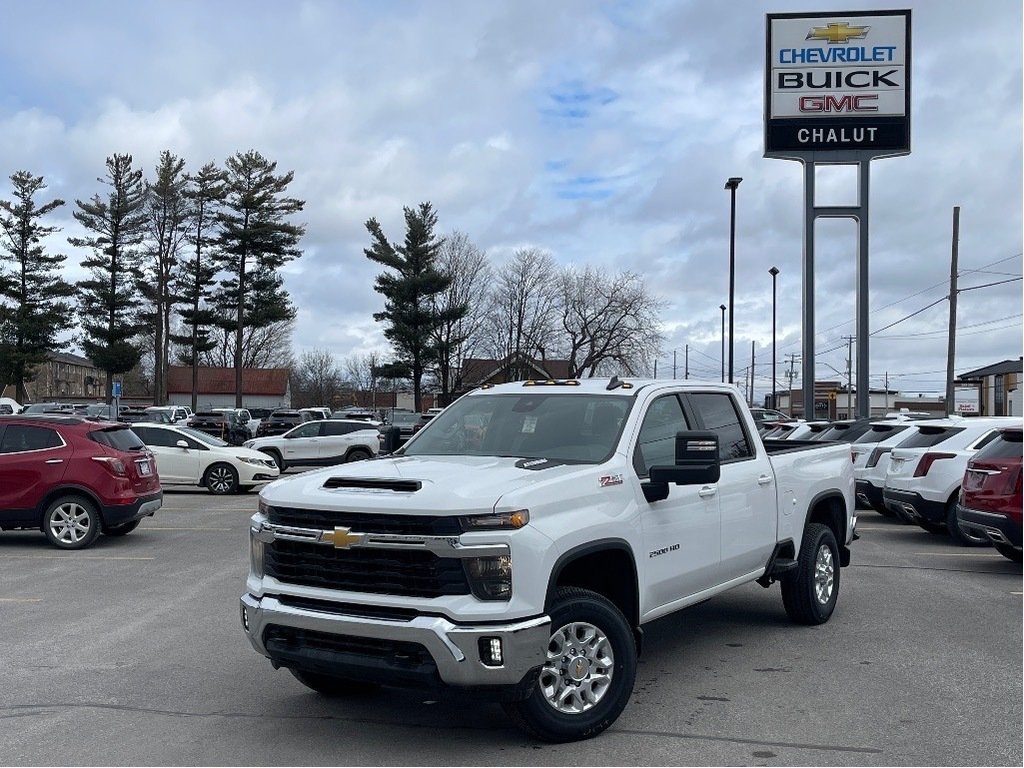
x=567 y=428
x=203 y=437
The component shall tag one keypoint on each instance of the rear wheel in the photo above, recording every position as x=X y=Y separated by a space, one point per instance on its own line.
x=221 y=479
x=71 y=522
x=1008 y=551
x=958 y=534
x=810 y=595
x=328 y=685
x=589 y=673
x=121 y=530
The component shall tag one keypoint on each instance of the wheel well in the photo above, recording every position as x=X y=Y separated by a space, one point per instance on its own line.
x=831 y=512
x=357 y=449
x=608 y=570
x=74 y=491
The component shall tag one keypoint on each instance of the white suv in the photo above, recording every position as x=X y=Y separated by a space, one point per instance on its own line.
x=321 y=443
x=926 y=470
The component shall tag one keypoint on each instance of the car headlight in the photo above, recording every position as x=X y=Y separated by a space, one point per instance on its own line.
x=251 y=461
x=497 y=521
x=490 y=578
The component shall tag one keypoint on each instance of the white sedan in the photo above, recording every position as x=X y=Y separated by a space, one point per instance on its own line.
x=186 y=456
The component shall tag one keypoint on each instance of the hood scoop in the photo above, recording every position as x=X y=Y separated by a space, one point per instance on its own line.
x=370 y=484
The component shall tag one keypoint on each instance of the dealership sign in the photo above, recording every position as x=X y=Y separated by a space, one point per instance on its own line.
x=837 y=82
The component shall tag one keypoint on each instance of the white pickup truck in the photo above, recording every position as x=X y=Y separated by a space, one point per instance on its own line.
x=520 y=541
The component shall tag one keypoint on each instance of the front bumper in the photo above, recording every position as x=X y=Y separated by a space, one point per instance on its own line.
x=999 y=529
x=118 y=514
x=455 y=649
x=914 y=506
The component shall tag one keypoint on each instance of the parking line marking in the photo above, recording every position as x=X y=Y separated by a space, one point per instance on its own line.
x=21 y=599
x=170 y=528
x=72 y=557
x=959 y=554
x=1017 y=593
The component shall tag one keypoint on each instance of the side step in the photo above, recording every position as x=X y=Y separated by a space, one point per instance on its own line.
x=780 y=563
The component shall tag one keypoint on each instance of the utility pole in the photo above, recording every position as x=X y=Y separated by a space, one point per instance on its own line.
x=951 y=353
x=655 y=368
x=886 y=391
x=792 y=360
x=849 y=377
x=751 y=398
x=673 y=365
x=686 y=364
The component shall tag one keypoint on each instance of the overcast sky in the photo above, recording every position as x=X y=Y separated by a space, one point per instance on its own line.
x=602 y=132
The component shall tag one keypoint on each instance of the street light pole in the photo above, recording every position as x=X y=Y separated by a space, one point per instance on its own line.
x=774 y=272
x=731 y=185
x=723 y=342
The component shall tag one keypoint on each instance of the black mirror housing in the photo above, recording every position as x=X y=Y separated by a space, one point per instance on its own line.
x=697 y=461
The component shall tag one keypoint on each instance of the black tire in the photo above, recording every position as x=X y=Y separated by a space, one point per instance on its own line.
x=358 y=454
x=220 y=479
x=281 y=466
x=71 y=522
x=328 y=685
x=122 y=529
x=957 y=534
x=580 y=609
x=1008 y=551
x=817 y=576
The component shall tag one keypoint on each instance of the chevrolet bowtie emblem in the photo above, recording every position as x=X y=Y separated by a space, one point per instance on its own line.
x=342 y=538
x=837 y=32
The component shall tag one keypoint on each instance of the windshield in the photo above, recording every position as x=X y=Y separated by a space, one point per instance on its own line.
x=570 y=428
x=203 y=437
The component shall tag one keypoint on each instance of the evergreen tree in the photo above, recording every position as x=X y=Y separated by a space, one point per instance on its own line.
x=196 y=278
x=168 y=222
x=109 y=297
x=35 y=301
x=255 y=241
x=411 y=314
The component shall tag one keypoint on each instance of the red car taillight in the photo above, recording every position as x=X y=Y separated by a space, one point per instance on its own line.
x=876 y=454
x=928 y=459
x=113 y=465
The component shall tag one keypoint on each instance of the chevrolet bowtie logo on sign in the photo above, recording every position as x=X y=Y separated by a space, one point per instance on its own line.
x=342 y=538
x=837 y=33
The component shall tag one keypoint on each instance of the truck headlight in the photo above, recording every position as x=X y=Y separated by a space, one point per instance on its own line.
x=496 y=521
x=490 y=578
x=255 y=553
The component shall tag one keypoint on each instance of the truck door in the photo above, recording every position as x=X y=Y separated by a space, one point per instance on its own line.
x=681 y=534
x=746 y=488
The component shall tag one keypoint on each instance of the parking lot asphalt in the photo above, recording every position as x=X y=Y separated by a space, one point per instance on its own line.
x=131 y=653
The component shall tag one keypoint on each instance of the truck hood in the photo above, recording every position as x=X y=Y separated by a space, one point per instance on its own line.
x=433 y=485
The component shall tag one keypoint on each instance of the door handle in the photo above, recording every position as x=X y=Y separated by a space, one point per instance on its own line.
x=54 y=461
x=764 y=480
x=707 y=491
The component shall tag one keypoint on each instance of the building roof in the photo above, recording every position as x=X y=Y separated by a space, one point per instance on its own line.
x=1006 y=366
x=221 y=381
x=67 y=357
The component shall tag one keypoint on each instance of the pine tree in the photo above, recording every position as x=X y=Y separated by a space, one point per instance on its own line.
x=255 y=241
x=109 y=297
x=168 y=222
x=411 y=315
x=196 y=278
x=35 y=304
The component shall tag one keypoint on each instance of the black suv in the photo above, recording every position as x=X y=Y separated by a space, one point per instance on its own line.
x=222 y=424
x=281 y=421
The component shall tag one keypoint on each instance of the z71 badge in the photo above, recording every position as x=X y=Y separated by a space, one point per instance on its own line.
x=607 y=480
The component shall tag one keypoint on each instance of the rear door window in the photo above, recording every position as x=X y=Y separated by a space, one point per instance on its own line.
x=880 y=432
x=717 y=413
x=20 y=438
x=335 y=428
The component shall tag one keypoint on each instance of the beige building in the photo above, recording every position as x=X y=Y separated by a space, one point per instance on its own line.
x=65 y=377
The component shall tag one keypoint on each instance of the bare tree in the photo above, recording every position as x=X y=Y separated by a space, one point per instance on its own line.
x=459 y=336
x=522 y=314
x=358 y=371
x=269 y=346
x=316 y=379
x=610 y=324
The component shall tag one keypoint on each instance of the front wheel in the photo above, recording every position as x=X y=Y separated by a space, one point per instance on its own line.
x=221 y=479
x=810 y=595
x=359 y=454
x=589 y=673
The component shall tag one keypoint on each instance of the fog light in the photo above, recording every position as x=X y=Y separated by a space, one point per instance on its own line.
x=245 y=619
x=490 y=651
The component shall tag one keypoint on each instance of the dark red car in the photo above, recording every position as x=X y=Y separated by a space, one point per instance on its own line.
x=73 y=478
x=990 y=497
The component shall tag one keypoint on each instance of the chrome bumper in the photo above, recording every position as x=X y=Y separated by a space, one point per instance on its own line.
x=454 y=647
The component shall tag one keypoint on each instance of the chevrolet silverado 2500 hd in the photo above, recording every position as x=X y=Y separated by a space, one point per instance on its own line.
x=520 y=541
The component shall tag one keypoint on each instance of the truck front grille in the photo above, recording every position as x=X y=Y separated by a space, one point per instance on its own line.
x=413 y=525
x=377 y=571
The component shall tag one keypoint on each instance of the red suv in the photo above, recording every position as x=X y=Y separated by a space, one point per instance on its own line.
x=72 y=478
x=990 y=497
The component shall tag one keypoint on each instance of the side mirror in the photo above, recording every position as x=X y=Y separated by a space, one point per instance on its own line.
x=697 y=462
x=182 y=444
